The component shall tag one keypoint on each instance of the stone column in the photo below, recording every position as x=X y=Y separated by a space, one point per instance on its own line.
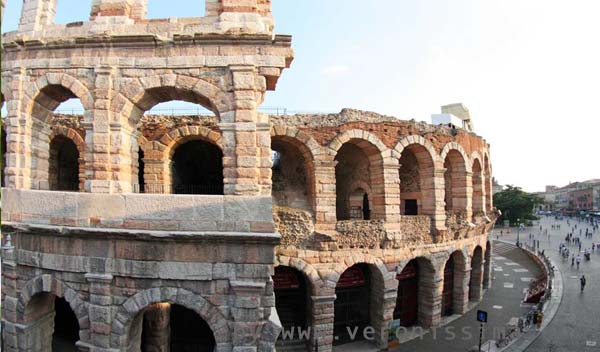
x=36 y=14
x=431 y=285
x=384 y=292
x=392 y=193
x=18 y=133
x=461 y=289
x=242 y=162
x=263 y=137
x=325 y=197
x=100 y=312
x=432 y=194
x=478 y=192
x=248 y=314
x=469 y=195
x=10 y=331
x=487 y=267
x=321 y=337
x=476 y=282
x=108 y=141
x=157 y=328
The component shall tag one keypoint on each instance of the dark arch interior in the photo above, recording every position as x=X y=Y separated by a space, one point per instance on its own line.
x=352 y=303
x=63 y=173
x=407 y=301
x=66 y=327
x=197 y=168
x=410 y=183
x=475 y=270
x=352 y=168
x=290 y=175
x=141 y=166
x=290 y=298
x=448 y=290
x=188 y=332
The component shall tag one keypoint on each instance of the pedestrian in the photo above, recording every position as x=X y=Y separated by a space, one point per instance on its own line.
x=578 y=260
x=540 y=318
x=583 y=282
x=573 y=260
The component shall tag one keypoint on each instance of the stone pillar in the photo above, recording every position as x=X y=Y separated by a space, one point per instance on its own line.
x=100 y=312
x=108 y=141
x=325 y=197
x=487 y=267
x=157 y=328
x=431 y=285
x=321 y=337
x=478 y=192
x=476 y=282
x=36 y=14
x=392 y=193
x=384 y=292
x=461 y=289
x=263 y=137
x=248 y=314
x=18 y=133
x=432 y=194
x=10 y=331
x=134 y=9
x=247 y=15
x=243 y=163
x=469 y=195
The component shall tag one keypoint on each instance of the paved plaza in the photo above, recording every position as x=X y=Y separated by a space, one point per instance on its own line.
x=576 y=326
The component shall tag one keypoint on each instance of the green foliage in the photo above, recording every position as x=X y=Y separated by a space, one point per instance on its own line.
x=516 y=205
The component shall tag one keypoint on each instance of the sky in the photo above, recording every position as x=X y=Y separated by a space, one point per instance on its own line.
x=529 y=71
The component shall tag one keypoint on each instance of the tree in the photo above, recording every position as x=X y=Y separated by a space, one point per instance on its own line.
x=516 y=205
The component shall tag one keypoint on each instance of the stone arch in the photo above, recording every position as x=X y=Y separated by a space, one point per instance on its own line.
x=380 y=288
x=64 y=87
x=289 y=141
x=456 y=181
x=476 y=277
x=360 y=155
x=455 y=284
x=41 y=98
x=331 y=278
x=47 y=283
x=140 y=95
x=216 y=318
x=417 y=175
x=356 y=134
x=487 y=180
x=478 y=185
x=310 y=273
x=79 y=141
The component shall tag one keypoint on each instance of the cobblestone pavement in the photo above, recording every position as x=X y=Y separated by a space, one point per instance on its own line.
x=576 y=326
x=511 y=273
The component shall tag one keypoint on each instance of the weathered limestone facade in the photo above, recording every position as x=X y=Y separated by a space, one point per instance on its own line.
x=94 y=217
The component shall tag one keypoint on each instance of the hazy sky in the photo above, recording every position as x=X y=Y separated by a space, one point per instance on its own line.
x=529 y=70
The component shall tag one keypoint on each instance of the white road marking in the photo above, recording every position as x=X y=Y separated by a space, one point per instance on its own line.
x=509 y=285
x=526 y=279
x=520 y=270
x=590 y=343
x=497 y=307
x=511 y=263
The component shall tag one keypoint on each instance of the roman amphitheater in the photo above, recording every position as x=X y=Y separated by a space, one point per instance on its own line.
x=128 y=231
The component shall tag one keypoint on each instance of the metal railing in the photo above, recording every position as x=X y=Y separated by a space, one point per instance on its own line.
x=208 y=189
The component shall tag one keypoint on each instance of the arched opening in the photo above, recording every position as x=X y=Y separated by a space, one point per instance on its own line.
x=160 y=110
x=3 y=146
x=292 y=174
x=165 y=326
x=352 y=309
x=416 y=181
x=407 y=301
x=478 y=199
x=197 y=168
x=49 y=108
x=359 y=182
x=50 y=321
x=448 y=290
x=63 y=165
x=291 y=302
x=455 y=180
x=476 y=279
x=487 y=179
